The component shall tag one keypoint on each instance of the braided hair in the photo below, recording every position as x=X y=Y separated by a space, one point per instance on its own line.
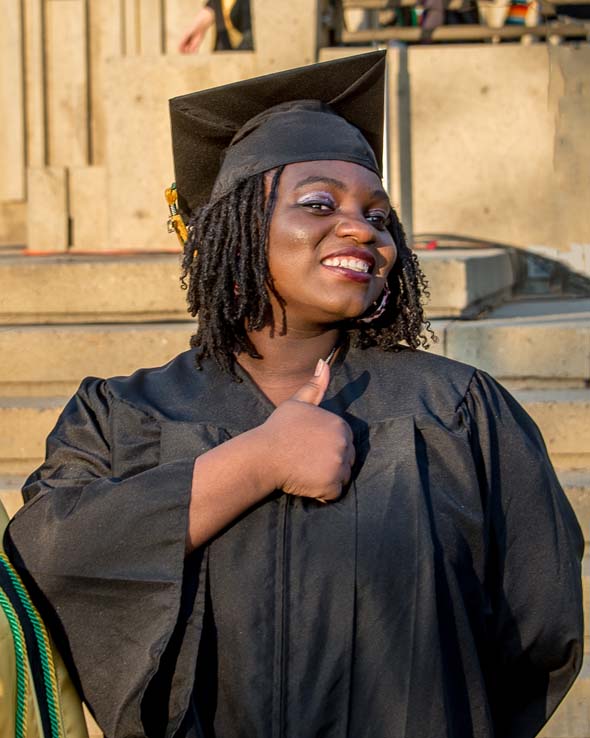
x=228 y=282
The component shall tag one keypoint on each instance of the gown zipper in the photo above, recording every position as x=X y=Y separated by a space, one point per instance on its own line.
x=280 y=621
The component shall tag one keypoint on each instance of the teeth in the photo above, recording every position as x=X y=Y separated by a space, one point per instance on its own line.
x=347 y=262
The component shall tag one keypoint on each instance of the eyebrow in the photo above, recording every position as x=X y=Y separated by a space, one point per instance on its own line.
x=338 y=184
x=325 y=180
x=382 y=194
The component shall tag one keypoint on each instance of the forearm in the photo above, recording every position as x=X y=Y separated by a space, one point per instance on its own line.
x=227 y=481
x=204 y=19
x=192 y=38
x=300 y=449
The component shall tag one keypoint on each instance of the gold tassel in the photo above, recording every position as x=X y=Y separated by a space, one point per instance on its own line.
x=175 y=221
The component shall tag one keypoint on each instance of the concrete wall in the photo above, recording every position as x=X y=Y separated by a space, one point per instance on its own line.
x=485 y=141
x=491 y=142
x=84 y=145
x=500 y=145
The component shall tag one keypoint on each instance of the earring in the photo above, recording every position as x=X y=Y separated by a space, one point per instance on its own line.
x=380 y=309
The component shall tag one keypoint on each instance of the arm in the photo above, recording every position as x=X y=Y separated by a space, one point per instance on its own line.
x=194 y=35
x=105 y=556
x=300 y=449
x=534 y=573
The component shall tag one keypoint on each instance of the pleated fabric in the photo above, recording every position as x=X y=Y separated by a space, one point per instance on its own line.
x=440 y=597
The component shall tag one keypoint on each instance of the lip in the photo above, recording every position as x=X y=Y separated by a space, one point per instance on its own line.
x=354 y=253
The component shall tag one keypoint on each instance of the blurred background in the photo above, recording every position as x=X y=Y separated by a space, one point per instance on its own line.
x=487 y=162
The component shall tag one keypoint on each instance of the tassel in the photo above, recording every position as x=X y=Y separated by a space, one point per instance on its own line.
x=175 y=221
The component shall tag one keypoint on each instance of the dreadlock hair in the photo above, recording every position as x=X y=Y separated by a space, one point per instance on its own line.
x=228 y=282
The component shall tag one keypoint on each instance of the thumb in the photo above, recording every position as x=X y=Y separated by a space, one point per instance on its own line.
x=314 y=390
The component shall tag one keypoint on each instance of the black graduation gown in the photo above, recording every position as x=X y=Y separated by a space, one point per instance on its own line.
x=439 y=598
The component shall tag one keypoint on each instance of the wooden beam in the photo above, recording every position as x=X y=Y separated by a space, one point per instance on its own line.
x=47 y=223
x=131 y=35
x=88 y=207
x=67 y=83
x=367 y=4
x=285 y=34
x=35 y=101
x=466 y=33
x=13 y=223
x=12 y=143
x=106 y=42
x=151 y=31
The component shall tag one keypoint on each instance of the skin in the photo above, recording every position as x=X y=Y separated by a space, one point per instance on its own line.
x=194 y=35
x=321 y=209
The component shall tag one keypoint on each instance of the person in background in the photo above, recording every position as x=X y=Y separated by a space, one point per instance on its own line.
x=233 y=25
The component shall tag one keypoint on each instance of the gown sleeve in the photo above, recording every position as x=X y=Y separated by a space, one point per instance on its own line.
x=533 y=575
x=105 y=558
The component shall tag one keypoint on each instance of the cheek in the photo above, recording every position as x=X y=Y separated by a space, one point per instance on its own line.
x=288 y=246
x=387 y=258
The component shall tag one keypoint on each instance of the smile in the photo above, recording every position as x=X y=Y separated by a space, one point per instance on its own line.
x=347 y=262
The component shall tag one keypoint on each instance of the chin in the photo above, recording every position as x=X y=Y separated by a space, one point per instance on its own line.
x=327 y=312
x=353 y=307
x=342 y=314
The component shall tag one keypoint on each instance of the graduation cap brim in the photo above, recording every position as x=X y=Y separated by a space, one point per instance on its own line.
x=205 y=122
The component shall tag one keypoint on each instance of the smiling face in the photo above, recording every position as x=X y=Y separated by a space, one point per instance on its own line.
x=329 y=247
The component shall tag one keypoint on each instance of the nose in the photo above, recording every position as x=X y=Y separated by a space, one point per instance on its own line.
x=356 y=228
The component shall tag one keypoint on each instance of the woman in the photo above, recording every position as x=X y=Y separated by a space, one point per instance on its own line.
x=371 y=540
x=233 y=27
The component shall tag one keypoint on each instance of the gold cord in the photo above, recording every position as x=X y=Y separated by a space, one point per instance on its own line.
x=175 y=221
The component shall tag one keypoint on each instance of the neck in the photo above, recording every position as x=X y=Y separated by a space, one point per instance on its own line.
x=288 y=361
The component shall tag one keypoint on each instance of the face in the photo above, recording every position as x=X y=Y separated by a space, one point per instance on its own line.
x=329 y=248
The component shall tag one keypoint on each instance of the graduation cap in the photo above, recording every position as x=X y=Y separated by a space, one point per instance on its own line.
x=331 y=110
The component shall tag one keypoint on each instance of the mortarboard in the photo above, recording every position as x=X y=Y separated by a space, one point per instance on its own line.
x=330 y=110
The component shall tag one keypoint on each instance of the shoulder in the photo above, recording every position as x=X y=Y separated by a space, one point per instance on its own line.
x=149 y=390
x=429 y=364
x=176 y=392
x=410 y=382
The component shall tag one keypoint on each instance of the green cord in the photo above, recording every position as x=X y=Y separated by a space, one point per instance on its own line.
x=21 y=667
x=47 y=664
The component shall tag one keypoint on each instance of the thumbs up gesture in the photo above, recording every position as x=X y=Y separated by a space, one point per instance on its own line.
x=311 y=450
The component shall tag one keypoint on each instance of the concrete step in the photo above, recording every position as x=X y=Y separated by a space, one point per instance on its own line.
x=572 y=717
x=10 y=493
x=71 y=289
x=576 y=484
x=84 y=289
x=562 y=416
x=541 y=307
x=463 y=281
x=523 y=352
x=25 y=422
x=46 y=360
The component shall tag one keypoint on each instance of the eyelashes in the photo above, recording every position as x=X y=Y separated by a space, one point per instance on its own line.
x=317 y=201
x=382 y=220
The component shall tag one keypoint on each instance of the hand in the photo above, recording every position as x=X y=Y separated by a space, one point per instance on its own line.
x=193 y=38
x=311 y=451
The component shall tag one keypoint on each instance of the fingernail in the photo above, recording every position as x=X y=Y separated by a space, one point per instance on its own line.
x=318 y=368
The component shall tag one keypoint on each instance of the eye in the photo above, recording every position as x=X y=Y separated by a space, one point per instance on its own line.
x=318 y=203
x=321 y=207
x=379 y=219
